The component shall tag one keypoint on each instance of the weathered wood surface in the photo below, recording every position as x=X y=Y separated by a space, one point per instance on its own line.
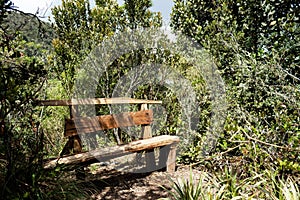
x=147 y=133
x=95 y=101
x=146 y=128
x=171 y=159
x=116 y=151
x=98 y=123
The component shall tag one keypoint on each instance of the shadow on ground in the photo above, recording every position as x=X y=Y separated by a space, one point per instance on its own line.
x=111 y=184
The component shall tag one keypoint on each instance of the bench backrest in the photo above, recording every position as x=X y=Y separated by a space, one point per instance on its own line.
x=87 y=125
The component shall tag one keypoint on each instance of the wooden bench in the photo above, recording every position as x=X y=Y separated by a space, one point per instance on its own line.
x=89 y=125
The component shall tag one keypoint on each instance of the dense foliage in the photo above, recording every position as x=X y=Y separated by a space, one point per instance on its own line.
x=22 y=76
x=254 y=44
x=36 y=33
x=261 y=28
x=256 y=47
x=80 y=28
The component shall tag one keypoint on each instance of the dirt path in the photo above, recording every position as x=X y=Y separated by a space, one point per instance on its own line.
x=112 y=184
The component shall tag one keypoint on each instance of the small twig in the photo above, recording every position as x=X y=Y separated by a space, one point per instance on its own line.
x=217 y=155
x=293 y=76
x=230 y=149
x=204 y=159
x=269 y=144
x=239 y=141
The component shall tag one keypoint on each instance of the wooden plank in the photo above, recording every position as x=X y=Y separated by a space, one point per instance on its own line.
x=95 y=101
x=147 y=133
x=74 y=112
x=171 y=160
x=98 y=123
x=146 y=129
x=151 y=143
x=114 y=152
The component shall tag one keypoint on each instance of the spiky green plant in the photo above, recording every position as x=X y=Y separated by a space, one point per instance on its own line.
x=280 y=189
x=186 y=189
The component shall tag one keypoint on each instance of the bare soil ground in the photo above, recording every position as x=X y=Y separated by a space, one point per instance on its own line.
x=108 y=183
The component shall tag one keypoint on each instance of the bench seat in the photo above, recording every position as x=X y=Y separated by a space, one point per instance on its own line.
x=108 y=153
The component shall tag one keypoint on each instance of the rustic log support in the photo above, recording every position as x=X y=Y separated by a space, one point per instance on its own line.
x=107 y=153
x=171 y=160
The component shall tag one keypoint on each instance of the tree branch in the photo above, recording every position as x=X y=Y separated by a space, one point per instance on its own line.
x=269 y=144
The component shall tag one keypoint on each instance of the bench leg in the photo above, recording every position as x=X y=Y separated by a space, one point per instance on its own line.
x=163 y=157
x=77 y=148
x=74 y=145
x=171 y=161
x=150 y=160
x=167 y=158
